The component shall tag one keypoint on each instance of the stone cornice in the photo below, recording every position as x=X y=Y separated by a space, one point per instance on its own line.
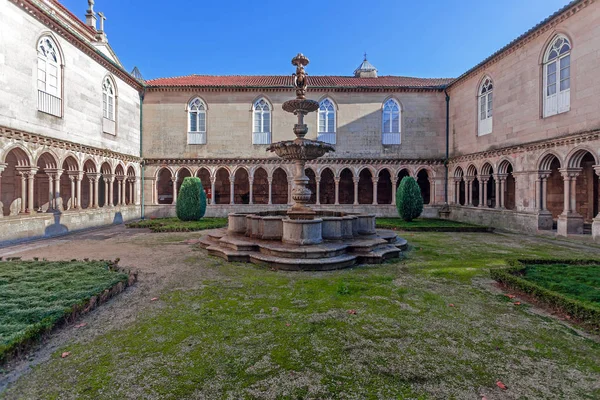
x=567 y=140
x=41 y=140
x=290 y=89
x=271 y=161
x=524 y=39
x=75 y=38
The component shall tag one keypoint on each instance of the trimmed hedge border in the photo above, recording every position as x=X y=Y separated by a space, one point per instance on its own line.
x=37 y=334
x=459 y=229
x=587 y=315
x=159 y=227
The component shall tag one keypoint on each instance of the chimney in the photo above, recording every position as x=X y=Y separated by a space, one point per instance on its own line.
x=90 y=15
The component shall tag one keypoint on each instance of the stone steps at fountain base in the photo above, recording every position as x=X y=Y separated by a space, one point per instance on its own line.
x=306 y=264
x=379 y=255
x=323 y=250
x=400 y=243
x=228 y=254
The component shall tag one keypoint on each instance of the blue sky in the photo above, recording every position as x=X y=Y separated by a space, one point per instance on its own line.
x=424 y=38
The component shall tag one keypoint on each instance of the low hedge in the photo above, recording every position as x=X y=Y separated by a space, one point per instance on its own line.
x=175 y=225
x=588 y=315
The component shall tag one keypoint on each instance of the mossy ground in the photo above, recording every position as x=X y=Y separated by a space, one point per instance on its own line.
x=431 y=326
x=35 y=295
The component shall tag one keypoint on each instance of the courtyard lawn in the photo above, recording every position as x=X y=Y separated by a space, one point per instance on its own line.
x=579 y=282
x=35 y=295
x=432 y=326
x=176 y=225
x=427 y=225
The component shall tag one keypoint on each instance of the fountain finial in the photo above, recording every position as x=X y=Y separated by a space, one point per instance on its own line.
x=300 y=80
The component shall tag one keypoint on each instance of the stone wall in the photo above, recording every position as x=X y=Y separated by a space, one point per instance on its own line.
x=82 y=78
x=46 y=225
x=517 y=93
x=229 y=124
x=503 y=219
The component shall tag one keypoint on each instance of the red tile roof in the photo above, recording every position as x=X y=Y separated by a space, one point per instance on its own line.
x=285 y=81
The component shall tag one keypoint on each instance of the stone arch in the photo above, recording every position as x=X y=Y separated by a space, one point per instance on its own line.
x=164 y=186
x=554 y=194
x=458 y=172
x=385 y=186
x=503 y=166
x=70 y=175
x=583 y=160
x=47 y=160
x=205 y=178
x=89 y=165
x=346 y=187
x=106 y=169
x=120 y=170
x=331 y=98
x=260 y=187
x=402 y=173
x=547 y=159
x=222 y=186
x=130 y=187
x=576 y=155
x=180 y=175
x=424 y=185
x=21 y=154
x=47 y=191
x=365 y=186
x=471 y=170
x=487 y=168
x=14 y=184
x=241 y=185
x=280 y=186
x=327 y=186
x=312 y=183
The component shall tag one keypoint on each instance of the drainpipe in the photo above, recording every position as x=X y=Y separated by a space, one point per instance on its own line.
x=447 y=144
x=142 y=93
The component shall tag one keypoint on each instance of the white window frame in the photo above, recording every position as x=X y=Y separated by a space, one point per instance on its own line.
x=196 y=108
x=260 y=109
x=485 y=106
x=49 y=76
x=109 y=99
x=391 y=135
x=326 y=123
x=560 y=100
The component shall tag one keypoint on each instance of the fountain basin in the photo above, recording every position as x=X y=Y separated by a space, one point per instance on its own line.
x=331 y=240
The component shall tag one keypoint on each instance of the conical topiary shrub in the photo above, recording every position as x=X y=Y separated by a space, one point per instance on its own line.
x=191 y=200
x=409 y=200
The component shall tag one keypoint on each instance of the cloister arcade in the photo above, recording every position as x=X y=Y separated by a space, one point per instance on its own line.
x=560 y=186
x=329 y=184
x=54 y=180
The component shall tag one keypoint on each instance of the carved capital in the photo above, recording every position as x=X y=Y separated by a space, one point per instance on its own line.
x=570 y=173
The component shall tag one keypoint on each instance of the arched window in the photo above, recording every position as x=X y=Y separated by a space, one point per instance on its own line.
x=108 y=99
x=391 y=122
x=48 y=77
x=557 y=77
x=326 y=122
x=196 y=122
x=262 y=122
x=485 y=106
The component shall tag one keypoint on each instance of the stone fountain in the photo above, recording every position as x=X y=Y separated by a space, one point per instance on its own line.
x=302 y=238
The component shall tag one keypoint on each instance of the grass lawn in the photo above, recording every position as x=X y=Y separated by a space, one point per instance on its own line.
x=431 y=326
x=35 y=295
x=580 y=282
x=176 y=225
x=425 y=224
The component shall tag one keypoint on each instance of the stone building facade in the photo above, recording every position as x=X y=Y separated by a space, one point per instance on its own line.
x=69 y=124
x=513 y=143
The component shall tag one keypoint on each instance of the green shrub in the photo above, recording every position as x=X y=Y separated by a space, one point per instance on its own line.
x=409 y=200
x=191 y=200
